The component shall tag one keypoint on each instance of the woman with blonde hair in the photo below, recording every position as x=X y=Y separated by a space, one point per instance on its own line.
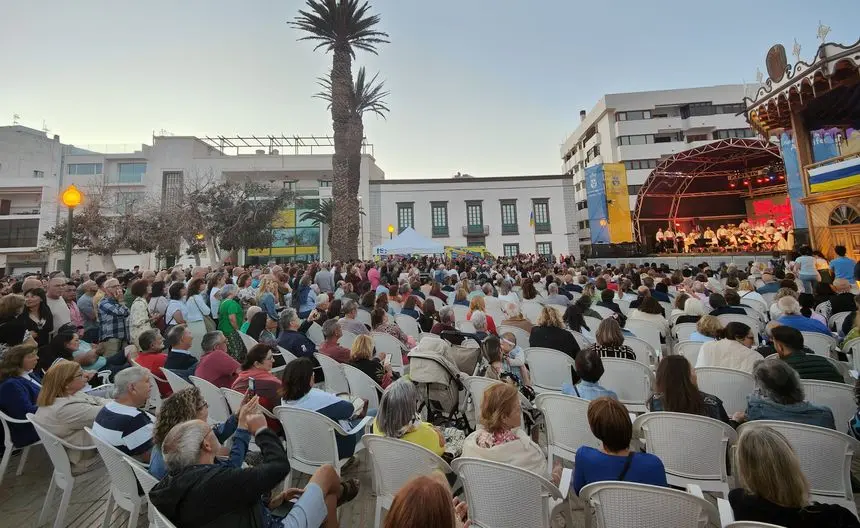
x=500 y=436
x=550 y=333
x=774 y=489
x=461 y=297
x=362 y=357
x=267 y=295
x=709 y=328
x=477 y=304
x=64 y=410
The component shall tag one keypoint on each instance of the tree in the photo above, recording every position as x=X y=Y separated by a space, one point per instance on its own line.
x=341 y=27
x=323 y=214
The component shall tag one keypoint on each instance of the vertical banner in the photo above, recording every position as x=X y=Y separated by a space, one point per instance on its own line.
x=617 y=203
x=824 y=145
x=598 y=216
x=793 y=180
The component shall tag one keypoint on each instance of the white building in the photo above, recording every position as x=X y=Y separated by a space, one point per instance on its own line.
x=640 y=128
x=489 y=212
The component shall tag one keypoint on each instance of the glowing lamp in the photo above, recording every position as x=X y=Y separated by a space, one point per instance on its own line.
x=72 y=197
x=199 y=237
x=390 y=228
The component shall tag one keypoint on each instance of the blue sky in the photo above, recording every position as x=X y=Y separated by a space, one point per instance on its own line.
x=488 y=87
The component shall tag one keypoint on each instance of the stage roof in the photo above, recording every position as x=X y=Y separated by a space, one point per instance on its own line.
x=708 y=182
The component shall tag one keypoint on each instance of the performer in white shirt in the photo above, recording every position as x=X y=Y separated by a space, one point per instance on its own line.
x=660 y=239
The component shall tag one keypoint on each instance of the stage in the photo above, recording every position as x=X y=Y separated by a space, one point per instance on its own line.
x=680 y=260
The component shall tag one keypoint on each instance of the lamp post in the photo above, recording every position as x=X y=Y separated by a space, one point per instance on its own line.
x=390 y=231
x=71 y=198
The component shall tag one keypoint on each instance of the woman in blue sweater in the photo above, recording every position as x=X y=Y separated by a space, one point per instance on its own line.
x=19 y=390
x=610 y=423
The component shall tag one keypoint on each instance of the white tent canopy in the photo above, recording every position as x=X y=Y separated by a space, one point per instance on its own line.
x=409 y=242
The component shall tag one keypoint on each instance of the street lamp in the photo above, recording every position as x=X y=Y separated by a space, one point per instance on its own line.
x=71 y=198
x=390 y=231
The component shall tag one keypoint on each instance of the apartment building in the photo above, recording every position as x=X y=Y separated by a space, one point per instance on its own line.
x=638 y=129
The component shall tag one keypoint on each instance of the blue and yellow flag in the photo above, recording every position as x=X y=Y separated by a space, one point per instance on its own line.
x=836 y=176
x=532 y=219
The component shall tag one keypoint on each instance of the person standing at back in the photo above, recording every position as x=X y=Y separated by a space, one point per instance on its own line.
x=842 y=266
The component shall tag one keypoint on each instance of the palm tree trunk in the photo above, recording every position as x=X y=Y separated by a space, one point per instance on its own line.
x=356 y=137
x=342 y=217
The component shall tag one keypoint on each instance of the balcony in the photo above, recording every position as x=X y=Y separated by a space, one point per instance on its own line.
x=19 y=211
x=510 y=229
x=440 y=231
x=476 y=230
x=543 y=229
x=125 y=179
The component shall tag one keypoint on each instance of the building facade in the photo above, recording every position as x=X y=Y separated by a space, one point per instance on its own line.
x=638 y=129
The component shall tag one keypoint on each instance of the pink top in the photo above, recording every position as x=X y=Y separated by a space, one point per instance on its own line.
x=76 y=317
x=373 y=277
x=218 y=368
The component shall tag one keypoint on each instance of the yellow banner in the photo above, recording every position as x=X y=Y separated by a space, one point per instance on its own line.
x=285 y=218
x=283 y=251
x=617 y=203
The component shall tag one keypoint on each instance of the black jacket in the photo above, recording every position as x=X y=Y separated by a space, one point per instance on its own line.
x=555 y=338
x=214 y=496
x=843 y=302
x=750 y=508
x=179 y=361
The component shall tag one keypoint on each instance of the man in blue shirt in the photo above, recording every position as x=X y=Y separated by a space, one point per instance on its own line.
x=793 y=318
x=842 y=266
x=769 y=286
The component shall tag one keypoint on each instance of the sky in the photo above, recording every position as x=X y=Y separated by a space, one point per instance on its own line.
x=485 y=87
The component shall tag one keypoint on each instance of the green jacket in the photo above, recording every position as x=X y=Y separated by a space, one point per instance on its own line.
x=810 y=366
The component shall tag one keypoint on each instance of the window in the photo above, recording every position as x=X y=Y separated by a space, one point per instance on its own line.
x=697 y=109
x=544 y=249
x=290 y=185
x=844 y=214
x=641 y=139
x=325 y=183
x=734 y=108
x=125 y=201
x=581 y=205
x=697 y=137
x=38 y=174
x=172 y=189
x=509 y=217
x=511 y=250
x=668 y=138
x=633 y=115
x=474 y=217
x=583 y=224
x=84 y=169
x=733 y=133
x=541 y=210
x=641 y=164
x=19 y=233
x=405 y=216
x=439 y=216
x=130 y=173
x=592 y=153
x=633 y=190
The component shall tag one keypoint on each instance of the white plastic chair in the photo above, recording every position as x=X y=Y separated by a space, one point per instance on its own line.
x=839 y=397
x=631 y=381
x=311 y=439
x=161 y=521
x=476 y=385
x=466 y=327
x=154 y=401
x=692 y=448
x=756 y=305
x=62 y=477
x=521 y=335
x=768 y=298
x=591 y=322
x=852 y=347
x=646 y=331
x=9 y=447
x=567 y=426
x=363 y=317
x=645 y=353
x=395 y=306
x=409 y=325
x=836 y=320
x=395 y=462
x=390 y=345
x=175 y=380
x=730 y=385
x=751 y=322
x=531 y=310
x=751 y=524
x=219 y=412
x=346 y=339
x=624 y=304
x=147 y=482
x=819 y=343
x=362 y=386
x=286 y=354
x=683 y=331
x=123 y=483
x=460 y=312
x=315 y=334
x=825 y=459
x=549 y=368
x=603 y=311
x=517 y=498
x=234 y=399
x=335 y=380
x=247 y=340
x=581 y=339
x=690 y=350
x=630 y=505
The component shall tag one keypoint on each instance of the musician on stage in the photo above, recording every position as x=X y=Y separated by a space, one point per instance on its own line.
x=660 y=247
x=710 y=237
x=669 y=238
x=679 y=241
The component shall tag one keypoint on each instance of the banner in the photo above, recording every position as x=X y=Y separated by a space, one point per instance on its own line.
x=793 y=180
x=835 y=176
x=595 y=193
x=824 y=144
x=618 y=203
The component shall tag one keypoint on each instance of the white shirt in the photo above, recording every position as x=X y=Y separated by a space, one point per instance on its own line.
x=213 y=302
x=727 y=353
x=60 y=311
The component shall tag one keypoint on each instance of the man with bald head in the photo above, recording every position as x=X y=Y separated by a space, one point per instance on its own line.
x=56 y=303
x=113 y=318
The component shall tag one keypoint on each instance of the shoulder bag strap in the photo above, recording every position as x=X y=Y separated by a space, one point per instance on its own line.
x=626 y=466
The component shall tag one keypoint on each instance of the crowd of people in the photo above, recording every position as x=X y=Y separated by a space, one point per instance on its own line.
x=58 y=332
x=744 y=237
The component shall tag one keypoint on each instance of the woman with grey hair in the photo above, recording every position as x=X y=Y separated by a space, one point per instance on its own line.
x=397 y=417
x=230 y=319
x=479 y=321
x=779 y=395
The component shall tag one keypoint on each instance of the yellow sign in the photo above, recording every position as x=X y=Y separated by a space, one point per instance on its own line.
x=462 y=251
x=283 y=252
x=617 y=203
x=285 y=218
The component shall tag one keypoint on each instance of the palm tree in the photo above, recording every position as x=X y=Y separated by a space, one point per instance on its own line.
x=323 y=214
x=341 y=27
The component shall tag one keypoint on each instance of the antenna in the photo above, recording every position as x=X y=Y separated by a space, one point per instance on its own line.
x=45 y=127
x=15 y=119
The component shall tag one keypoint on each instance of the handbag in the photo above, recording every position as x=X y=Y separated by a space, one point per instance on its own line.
x=207 y=319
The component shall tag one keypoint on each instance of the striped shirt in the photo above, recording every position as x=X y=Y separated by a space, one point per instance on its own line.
x=124 y=427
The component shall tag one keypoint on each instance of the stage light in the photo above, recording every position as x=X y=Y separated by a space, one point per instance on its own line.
x=732 y=185
x=781 y=177
x=772 y=178
x=748 y=182
x=759 y=180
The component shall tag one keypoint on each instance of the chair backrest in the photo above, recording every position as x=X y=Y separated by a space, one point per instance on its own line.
x=460 y=312
x=175 y=380
x=838 y=396
x=389 y=344
x=531 y=310
x=121 y=475
x=592 y=322
x=630 y=505
x=683 y=331
x=286 y=354
x=825 y=456
x=335 y=380
x=751 y=322
x=581 y=339
x=395 y=306
x=690 y=446
x=521 y=335
x=315 y=334
x=835 y=321
x=466 y=327
x=218 y=410
x=853 y=347
x=667 y=307
x=476 y=385
x=408 y=324
x=346 y=339
x=690 y=350
x=395 y=462
x=624 y=304
x=645 y=353
x=161 y=521
x=751 y=524
x=522 y=503
x=144 y=477
x=819 y=343
x=755 y=304
x=234 y=399
x=566 y=422
x=769 y=298
x=247 y=340
x=631 y=381
x=310 y=437
x=55 y=447
x=645 y=330
x=603 y=311
x=5 y=420
x=549 y=368
x=361 y=385
x=363 y=317
x=730 y=385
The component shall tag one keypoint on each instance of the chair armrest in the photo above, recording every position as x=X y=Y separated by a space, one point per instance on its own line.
x=727 y=516
x=564 y=482
x=267 y=413
x=104 y=375
x=358 y=427
x=15 y=420
x=695 y=489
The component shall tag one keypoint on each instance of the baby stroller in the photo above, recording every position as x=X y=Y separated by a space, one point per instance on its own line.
x=439 y=384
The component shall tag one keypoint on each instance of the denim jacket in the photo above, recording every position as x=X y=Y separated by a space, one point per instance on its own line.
x=760 y=408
